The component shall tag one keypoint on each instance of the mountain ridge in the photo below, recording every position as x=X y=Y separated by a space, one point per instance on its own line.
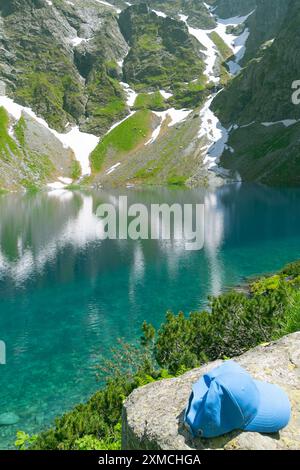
x=260 y=98
x=91 y=69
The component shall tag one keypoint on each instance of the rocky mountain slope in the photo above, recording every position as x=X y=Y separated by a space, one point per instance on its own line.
x=123 y=93
x=258 y=103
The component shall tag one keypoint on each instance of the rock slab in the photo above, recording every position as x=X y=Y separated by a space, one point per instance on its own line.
x=153 y=414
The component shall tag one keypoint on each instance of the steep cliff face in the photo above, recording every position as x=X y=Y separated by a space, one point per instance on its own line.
x=198 y=13
x=262 y=91
x=162 y=53
x=264 y=25
x=56 y=56
x=266 y=150
x=230 y=8
x=31 y=156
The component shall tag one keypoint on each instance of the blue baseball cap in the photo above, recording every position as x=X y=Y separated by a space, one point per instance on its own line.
x=228 y=398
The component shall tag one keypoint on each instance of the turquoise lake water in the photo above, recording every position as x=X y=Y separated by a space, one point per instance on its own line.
x=66 y=296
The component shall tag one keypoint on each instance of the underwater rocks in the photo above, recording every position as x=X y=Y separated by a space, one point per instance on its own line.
x=8 y=419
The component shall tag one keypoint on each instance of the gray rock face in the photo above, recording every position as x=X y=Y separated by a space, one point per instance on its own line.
x=53 y=36
x=229 y=8
x=37 y=156
x=42 y=142
x=153 y=415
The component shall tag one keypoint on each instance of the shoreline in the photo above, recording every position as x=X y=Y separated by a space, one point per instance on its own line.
x=261 y=289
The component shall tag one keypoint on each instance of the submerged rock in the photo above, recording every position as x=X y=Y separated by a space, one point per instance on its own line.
x=153 y=415
x=8 y=419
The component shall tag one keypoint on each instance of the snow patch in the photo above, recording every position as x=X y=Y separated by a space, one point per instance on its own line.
x=77 y=41
x=209 y=8
x=130 y=94
x=109 y=5
x=211 y=127
x=58 y=185
x=235 y=20
x=61 y=184
x=235 y=43
x=165 y=94
x=210 y=51
x=284 y=122
x=235 y=126
x=217 y=135
x=175 y=115
x=160 y=13
x=113 y=168
x=81 y=143
x=178 y=115
x=65 y=180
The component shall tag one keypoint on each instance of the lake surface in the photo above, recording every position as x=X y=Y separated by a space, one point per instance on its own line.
x=66 y=296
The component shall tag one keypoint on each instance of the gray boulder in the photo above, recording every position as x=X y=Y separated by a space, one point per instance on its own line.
x=8 y=419
x=153 y=414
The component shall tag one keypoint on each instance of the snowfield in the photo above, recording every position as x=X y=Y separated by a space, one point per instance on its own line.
x=174 y=115
x=210 y=126
x=81 y=143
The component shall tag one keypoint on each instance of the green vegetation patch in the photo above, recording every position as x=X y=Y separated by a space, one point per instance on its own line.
x=8 y=146
x=189 y=95
x=106 y=103
x=75 y=170
x=222 y=47
x=19 y=131
x=123 y=138
x=154 y=101
x=44 y=92
x=177 y=180
x=32 y=169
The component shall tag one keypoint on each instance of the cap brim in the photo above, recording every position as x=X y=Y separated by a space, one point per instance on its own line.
x=274 y=410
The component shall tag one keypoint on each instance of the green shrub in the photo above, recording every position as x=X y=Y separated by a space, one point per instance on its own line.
x=24 y=440
x=234 y=324
x=290 y=323
x=265 y=285
x=292 y=269
x=90 y=442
